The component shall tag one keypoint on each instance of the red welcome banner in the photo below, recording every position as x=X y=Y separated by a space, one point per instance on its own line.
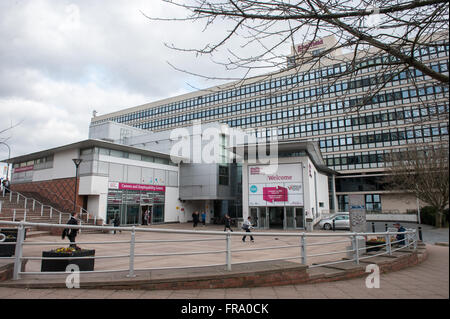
x=23 y=169
x=140 y=187
x=275 y=194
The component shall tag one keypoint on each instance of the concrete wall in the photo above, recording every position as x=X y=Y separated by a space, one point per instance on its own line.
x=399 y=202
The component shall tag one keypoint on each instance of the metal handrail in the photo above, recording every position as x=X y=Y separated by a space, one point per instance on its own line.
x=410 y=240
x=71 y=202
x=34 y=201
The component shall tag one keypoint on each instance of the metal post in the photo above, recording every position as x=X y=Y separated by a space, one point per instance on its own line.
x=18 y=198
x=373 y=227
x=334 y=225
x=34 y=204
x=59 y=217
x=385 y=227
x=355 y=245
x=80 y=228
x=14 y=215
x=10 y=196
x=1 y=206
x=388 y=244
x=95 y=220
x=18 y=253
x=415 y=240
x=303 y=246
x=132 y=244
x=25 y=203
x=51 y=211
x=228 y=257
x=42 y=209
x=25 y=215
x=420 y=234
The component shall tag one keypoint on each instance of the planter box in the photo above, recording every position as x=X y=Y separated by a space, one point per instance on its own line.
x=369 y=244
x=60 y=264
x=8 y=250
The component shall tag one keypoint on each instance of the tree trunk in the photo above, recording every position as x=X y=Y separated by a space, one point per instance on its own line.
x=438 y=219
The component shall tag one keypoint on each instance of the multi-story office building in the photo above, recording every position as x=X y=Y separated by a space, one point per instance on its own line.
x=323 y=103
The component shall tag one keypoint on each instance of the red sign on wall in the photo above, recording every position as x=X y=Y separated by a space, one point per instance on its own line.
x=275 y=194
x=23 y=169
x=140 y=187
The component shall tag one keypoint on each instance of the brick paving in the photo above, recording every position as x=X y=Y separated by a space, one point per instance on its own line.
x=429 y=279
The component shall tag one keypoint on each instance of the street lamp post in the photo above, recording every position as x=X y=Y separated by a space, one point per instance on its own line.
x=9 y=157
x=77 y=162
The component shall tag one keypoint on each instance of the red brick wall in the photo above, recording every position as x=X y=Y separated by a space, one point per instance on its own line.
x=63 y=187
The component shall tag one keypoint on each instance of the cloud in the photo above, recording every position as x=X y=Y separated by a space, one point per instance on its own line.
x=60 y=60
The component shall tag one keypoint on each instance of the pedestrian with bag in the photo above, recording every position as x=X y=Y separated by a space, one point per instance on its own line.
x=71 y=233
x=227 y=223
x=247 y=225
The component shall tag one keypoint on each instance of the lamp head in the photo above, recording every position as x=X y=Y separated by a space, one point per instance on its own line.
x=77 y=161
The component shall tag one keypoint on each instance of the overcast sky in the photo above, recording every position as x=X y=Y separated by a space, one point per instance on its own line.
x=61 y=59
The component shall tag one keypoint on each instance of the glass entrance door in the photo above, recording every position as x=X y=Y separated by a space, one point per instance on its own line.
x=276 y=217
x=299 y=217
x=289 y=220
x=254 y=216
x=263 y=218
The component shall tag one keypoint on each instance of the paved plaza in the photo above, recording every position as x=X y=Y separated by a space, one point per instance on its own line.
x=426 y=280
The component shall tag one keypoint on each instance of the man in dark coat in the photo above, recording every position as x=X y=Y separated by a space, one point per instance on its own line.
x=71 y=233
x=227 y=223
x=400 y=237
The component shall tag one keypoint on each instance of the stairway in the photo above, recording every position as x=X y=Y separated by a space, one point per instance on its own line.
x=39 y=215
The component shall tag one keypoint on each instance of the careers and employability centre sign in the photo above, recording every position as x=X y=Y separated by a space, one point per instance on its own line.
x=137 y=187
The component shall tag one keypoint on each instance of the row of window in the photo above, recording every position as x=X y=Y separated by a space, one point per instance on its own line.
x=399 y=135
x=122 y=154
x=41 y=160
x=282 y=82
x=382 y=97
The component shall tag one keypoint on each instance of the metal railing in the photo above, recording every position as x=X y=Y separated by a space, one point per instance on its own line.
x=357 y=253
x=33 y=202
x=81 y=209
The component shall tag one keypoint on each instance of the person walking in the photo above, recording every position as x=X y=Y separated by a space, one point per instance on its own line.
x=71 y=233
x=204 y=218
x=247 y=225
x=195 y=218
x=227 y=223
x=146 y=217
x=116 y=222
x=6 y=185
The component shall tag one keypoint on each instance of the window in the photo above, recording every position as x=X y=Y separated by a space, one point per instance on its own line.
x=373 y=202
x=223 y=175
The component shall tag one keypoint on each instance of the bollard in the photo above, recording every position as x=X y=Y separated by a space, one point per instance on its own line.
x=1 y=206
x=34 y=204
x=51 y=212
x=42 y=210
x=420 y=234
x=334 y=225
x=373 y=227
x=25 y=215
x=14 y=215
x=385 y=227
